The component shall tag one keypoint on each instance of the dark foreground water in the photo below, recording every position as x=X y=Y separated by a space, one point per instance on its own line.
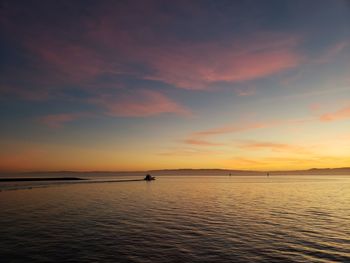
x=179 y=219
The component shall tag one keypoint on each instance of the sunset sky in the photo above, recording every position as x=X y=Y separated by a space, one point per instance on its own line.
x=136 y=85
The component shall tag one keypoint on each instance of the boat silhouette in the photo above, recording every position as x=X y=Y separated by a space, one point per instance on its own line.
x=149 y=178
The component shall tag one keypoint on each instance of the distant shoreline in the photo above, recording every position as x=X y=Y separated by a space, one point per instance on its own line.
x=41 y=179
x=80 y=175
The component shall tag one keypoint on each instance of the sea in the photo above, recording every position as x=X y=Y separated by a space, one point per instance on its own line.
x=177 y=219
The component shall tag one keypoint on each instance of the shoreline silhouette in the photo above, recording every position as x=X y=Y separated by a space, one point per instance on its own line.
x=33 y=179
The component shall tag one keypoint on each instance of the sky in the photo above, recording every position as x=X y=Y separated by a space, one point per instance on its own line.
x=137 y=85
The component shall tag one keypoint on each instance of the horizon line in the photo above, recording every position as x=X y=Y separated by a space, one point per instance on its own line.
x=170 y=169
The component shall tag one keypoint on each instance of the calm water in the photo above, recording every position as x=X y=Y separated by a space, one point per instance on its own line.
x=179 y=219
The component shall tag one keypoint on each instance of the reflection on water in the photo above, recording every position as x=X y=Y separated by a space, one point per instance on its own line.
x=174 y=219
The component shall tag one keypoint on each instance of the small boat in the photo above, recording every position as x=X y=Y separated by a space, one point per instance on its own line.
x=149 y=178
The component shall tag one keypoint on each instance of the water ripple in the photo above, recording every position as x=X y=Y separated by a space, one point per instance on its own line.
x=179 y=220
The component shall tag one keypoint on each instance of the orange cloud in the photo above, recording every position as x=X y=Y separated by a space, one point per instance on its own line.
x=315 y=107
x=234 y=129
x=189 y=152
x=278 y=147
x=343 y=113
x=201 y=142
x=201 y=137
x=245 y=162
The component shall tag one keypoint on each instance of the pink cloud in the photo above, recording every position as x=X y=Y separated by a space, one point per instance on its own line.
x=184 y=65
x=73 y=61
x=105 y=45
x=196 y=66
x=58 y=120
x=341 y=114
x=141 y=103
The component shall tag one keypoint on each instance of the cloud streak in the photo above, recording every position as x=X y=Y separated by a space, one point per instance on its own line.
x=140 y=103
x=202 y=138
x=332 y=52
x=58 y=120
x=340 y=114
x=104 y=45
x=200 y=142
x=189 y=152
x=197 y=66
x=273 y=146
